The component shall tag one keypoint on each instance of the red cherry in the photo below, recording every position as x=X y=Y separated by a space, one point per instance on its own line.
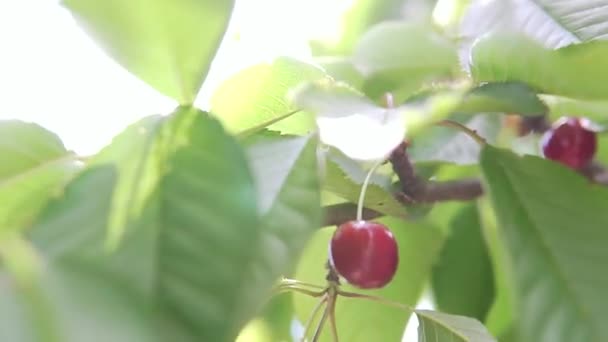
x=364 y=253
x=570 y=142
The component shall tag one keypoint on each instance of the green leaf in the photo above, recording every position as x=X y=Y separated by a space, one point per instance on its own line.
x=54 y=294
x=508 y=97
x=420 y=55
x=463 y=280
x=355 y=21
x=273 y=323
x=345 y=177
x=257 y=97
x=552 y=23
x=449 y=145
x=26 y=145
x=553 y=223
x=202 y=215
x=499 y=319
x=363 y=320
x=329 y=98
x=342 y=69
x=563 y=106
x=200 y=235
x=137 y=153
x=441 y=327
x=343 y=116
x=75 y=223
x=207 y=220
x=167 y=43
x=577 y=71
x=34 y=165
x=285 y=171
x=287 y=182
x=64 y=301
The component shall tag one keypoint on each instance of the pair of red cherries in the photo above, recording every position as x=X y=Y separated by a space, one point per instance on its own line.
x=365 y=253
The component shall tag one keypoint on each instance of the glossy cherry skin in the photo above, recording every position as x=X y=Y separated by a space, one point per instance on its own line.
x=570 y=142
x=365 y=253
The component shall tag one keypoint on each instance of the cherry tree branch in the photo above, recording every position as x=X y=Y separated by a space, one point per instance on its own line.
x=533 y=124
x=418 y=190
x=415 y=189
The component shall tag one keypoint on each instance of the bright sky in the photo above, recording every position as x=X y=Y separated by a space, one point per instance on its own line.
x=51 y=73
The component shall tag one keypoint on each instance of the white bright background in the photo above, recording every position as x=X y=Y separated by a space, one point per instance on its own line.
x=51 y=73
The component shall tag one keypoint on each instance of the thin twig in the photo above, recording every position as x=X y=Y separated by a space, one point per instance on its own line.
x=248 y=132
x=287 y=281
x=332 y=319
x=311 y=318
x=319 y=329
x=283 y=288
x=466 y=130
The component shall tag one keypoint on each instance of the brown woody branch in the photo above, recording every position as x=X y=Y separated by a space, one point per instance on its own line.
x=415 y=189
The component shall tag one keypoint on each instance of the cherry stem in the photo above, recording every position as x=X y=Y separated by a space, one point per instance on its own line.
x=466 y=130
x=311 y=318
x=376 y=299
x=364 y=189
x=296 y=288
x=321 y=324
x=287 y=281
x=333 y=297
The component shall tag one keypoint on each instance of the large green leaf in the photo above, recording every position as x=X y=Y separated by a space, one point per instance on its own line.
x=401 y=56
x=136 y=153
x=258 y=97
x=86 y=204
x=463 y=281
x=499 y=319
x=34 y=165
x=562 y=106
x=200 y=234
x=342 y=69
x=274 y=323
x=71 y=303
x=194 y=243
x=418 y=48
x=26 y=145
x=167 y=43
x=52 y=294
x=440 y=327
x=553 y=222
x=449 y=145
x=554 y=23
x=578 y=71
x=507 y=97
x=287 y=181
x=209 y=240
x=355 y=21
x=362 y=320
x=344 y=115
x=285 y=170
x=363 y=130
